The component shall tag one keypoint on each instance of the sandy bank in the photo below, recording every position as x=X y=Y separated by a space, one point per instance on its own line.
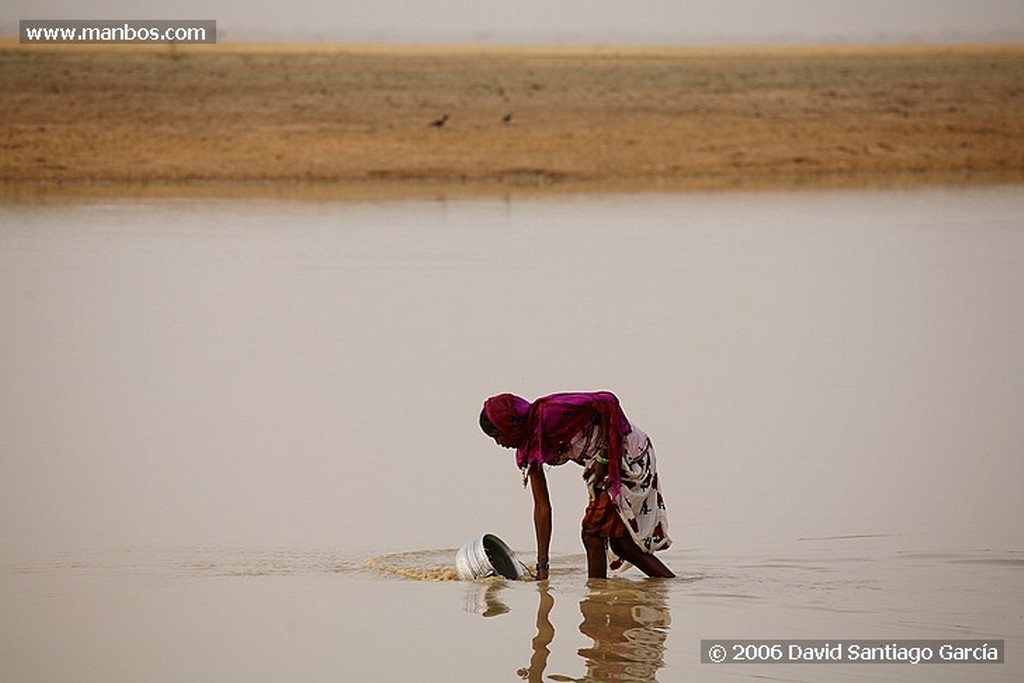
x=253 y=116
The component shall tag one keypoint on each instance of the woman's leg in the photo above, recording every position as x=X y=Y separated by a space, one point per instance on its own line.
x=628 y=550
x=597 y=556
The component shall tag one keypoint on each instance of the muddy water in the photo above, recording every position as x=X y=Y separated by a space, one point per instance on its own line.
x=238 y=439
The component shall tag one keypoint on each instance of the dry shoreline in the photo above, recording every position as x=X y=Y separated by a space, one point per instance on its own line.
x=231 y=119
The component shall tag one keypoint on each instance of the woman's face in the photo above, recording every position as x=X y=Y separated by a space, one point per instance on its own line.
x=501 y=442
x=490 y=430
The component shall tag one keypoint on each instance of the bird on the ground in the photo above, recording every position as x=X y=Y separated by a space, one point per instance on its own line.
x=439 y=122
x=507 y=118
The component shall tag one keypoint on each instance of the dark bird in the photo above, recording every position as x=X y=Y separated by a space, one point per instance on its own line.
x=439 y=122
x=507 y=118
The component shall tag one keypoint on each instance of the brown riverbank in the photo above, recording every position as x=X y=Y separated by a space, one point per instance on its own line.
x=237 y=115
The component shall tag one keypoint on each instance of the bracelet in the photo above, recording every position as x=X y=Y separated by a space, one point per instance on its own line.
x=603 y=461
x=543 y=565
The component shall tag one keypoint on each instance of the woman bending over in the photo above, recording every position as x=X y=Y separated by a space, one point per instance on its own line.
x=626 y=514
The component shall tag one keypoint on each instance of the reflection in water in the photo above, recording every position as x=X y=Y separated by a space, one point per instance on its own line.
x=545 y=634
x=482 y=598
x=627 y=622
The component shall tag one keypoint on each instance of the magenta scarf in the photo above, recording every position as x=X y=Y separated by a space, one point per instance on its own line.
x=541 y=431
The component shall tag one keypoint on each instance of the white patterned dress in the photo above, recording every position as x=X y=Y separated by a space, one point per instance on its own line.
x=640 y=503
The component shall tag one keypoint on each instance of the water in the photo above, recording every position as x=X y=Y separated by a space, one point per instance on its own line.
x=238 y=438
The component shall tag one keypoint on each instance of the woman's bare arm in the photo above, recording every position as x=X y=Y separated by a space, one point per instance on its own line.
x=541 y=517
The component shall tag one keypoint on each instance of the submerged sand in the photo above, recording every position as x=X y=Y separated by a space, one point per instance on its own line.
x=238 y=114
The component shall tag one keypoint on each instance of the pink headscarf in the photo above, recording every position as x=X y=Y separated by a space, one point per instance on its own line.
x=509 y=414
x=541 y=431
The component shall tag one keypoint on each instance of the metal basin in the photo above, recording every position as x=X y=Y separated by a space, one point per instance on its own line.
x=488 y=556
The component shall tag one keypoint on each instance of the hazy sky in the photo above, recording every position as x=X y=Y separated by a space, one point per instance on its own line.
x=555 y=21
